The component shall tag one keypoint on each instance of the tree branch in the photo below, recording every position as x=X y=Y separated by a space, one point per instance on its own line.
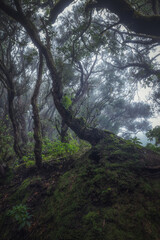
x=57 y=9
x=147 y=68
x=155 y=7
x=134 y=20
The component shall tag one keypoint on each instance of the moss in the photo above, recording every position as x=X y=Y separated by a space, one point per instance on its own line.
x=79 y=197
x=102 y=198
x=25 y=190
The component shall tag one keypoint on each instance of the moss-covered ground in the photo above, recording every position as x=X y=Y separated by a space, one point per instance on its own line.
x=110 y=193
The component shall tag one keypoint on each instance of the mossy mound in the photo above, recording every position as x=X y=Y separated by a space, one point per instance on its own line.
x=111 y=193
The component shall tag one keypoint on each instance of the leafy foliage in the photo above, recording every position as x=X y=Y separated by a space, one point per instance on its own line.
x=153 y=147
x=154 y=134
x=133 y=142
x=20 y=214
x=28 y=160
x=66 y=101
x=54 y=149
x=136 y=141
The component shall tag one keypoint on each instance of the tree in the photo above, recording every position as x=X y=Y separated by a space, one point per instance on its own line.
x=35 y=25
x=7 y=77
x=154 y=134
x=36 y=118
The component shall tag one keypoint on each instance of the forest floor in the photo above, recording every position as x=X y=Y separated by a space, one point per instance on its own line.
x=112 y=192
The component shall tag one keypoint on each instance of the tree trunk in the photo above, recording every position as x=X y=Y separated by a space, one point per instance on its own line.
x=155 y=7
x=36 y=118
x=21 y=118
x=24 y=136
x=10 y=95
x=92 y=135
x=63 y=133
x=16 y=145
x=2 y=170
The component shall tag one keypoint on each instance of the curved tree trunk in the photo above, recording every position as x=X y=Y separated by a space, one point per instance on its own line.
x=92 y=135
x=36 y=118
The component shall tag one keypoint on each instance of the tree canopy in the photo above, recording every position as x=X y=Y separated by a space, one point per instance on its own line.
x=89 y=57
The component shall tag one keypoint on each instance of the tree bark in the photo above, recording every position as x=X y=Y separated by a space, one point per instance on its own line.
x=63 y=133
x=155 y=6
x=36 y=118
x=16 y=133
x=128 y=16
x=24 y=136
x=11 y=95
x=21 y=118
x=2 y=170
x=57 y=9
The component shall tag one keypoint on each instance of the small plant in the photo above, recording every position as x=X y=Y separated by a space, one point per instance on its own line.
x=20 y=215
x=66 y=101
x=136 y=141
x=54 y=149
x=29 y=160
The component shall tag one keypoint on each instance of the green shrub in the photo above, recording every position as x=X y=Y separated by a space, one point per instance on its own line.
x=29 y=160
x=54 y=149
x=136 y=141
x=66 y=101
x=20 y=215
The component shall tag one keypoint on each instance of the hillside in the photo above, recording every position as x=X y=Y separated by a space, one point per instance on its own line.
x=112 y=192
